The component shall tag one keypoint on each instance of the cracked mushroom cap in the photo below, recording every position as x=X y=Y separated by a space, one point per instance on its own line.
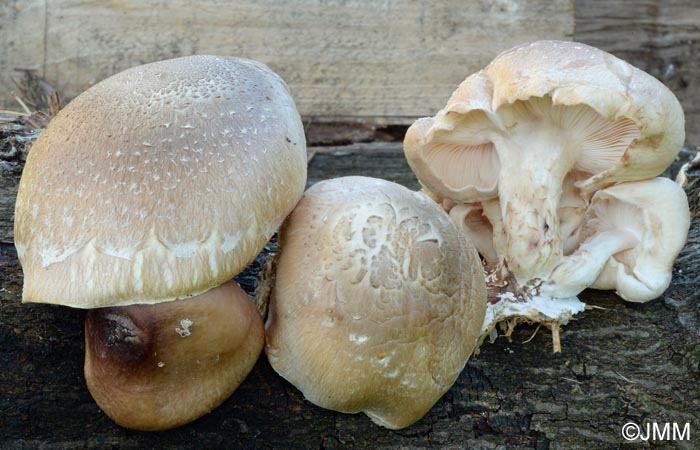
x=541 y=121
x=378 y=300
x=160 y=182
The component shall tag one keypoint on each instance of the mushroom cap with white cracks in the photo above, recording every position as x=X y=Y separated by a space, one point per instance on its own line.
x=539 y=116
x=378 y=300
x=160 y=182
x=154 y=367
x=656 y=213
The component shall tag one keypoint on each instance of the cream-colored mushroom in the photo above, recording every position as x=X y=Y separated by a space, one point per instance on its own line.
x=632 y=234
x=528 y=140
x=541 y=114
x=476 y=227
x=160 y=184
x=378 y=300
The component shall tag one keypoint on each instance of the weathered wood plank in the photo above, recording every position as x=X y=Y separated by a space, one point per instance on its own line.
x=396 y=59
x=620 y=362
x=384 y=61
x=376 y=159
x=661 y=37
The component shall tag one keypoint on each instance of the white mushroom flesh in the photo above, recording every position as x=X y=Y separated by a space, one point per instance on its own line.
x=477 y=228
x=653 y=217
x=531 y=139
x=529 y=152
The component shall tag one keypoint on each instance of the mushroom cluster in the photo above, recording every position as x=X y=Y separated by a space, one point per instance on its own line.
x=151 y=190
x=547 y=159
x=140 y=201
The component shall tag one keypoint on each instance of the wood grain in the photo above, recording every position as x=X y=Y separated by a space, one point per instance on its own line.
x=389 y=60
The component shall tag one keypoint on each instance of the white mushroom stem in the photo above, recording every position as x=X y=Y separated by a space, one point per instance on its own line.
x=509 y=303
x=492 y=212
x=530 y=186
x=581 y=269
x=543 y=149
x=572 y=207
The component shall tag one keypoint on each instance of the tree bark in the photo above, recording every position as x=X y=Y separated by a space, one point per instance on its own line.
x=621 y=362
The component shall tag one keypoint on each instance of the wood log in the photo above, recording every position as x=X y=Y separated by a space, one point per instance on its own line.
x=15 y=141
x=620 y=362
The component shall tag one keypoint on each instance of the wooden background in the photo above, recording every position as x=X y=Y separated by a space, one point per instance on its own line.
x=369 y=61
x=391 y=60
x=661 y=37
x=386 y=61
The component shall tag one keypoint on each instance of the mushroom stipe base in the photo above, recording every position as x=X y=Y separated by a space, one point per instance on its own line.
x=509 y=304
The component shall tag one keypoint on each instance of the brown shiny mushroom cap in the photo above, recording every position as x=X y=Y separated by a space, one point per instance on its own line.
x=378 y=300
x=154 y=367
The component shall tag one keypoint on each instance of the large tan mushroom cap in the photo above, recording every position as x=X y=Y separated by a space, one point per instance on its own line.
x=378 y=300
x=158 y=183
